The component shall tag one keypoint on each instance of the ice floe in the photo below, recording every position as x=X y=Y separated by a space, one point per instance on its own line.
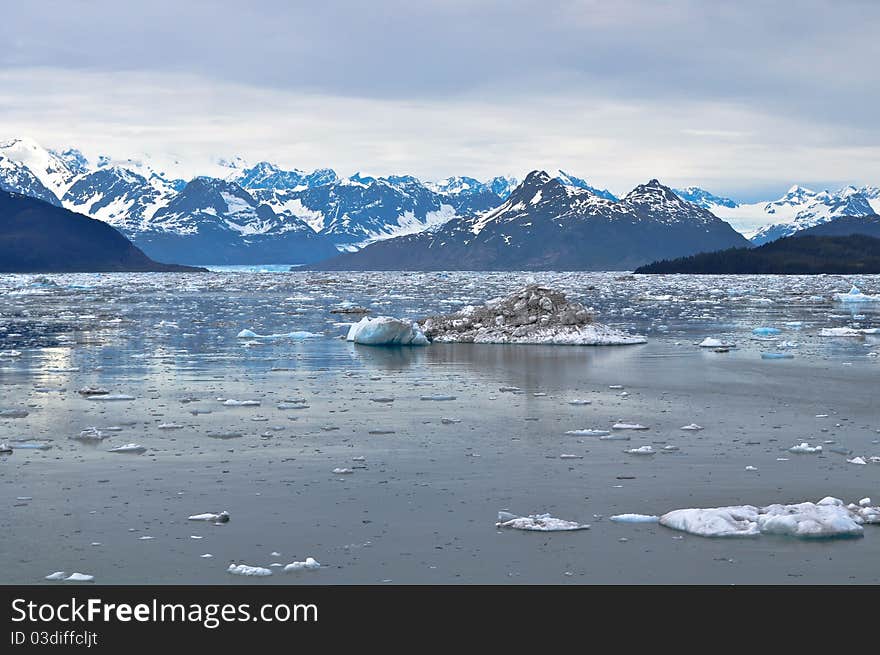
x=386 y=331
x=804 y=448
x=712 y=342
x=829 y=517
x=298 y=334
x=588 y=433
x=250 y=571
x=131 y=448
x=855 y=295
x=310 y=564
x=635 y=518
x=537 y=522
x=62 y=576
x=691 y=426
x=628 y=426
x=222 y=517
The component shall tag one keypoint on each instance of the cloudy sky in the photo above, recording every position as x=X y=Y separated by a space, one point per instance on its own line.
x=743 y=98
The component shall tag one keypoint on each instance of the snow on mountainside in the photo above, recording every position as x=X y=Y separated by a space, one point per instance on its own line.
x=547 y=225
x=118 y=196
x=15 y=177
x=49 y=169
x=703 y=198
x=265 y=175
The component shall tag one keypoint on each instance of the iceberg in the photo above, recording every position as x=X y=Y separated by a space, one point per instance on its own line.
x=826 y=518
x=533 y=315
x=222 y=517
x=712 y=342
x=855 y=295
x=386 y=331
x=635 y=518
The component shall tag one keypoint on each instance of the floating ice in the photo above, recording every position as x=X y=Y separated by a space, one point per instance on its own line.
x=845 y=332
x=712 y=342
x=132 y=448
x=533 y=315
x=828 y=517
x=588 y=433
x=766 y=331
x=437 y=398
x=73 y=577
x=231 y=402
x=111 y=397
x=777 y=356
x=298 y=334
x=170 y=426
x=641 y=450
x=691 y=426
x=342 y=471
x=804 y=448
x=579 y=401
x=90 y=434
x=635 y=518
x=222 y=517
x=628 y=426
x=93 y=391
x=569 y=456
x=537 y=522
x=855 y=295
x=309 y=564
x=386 y=331
x=251 y=571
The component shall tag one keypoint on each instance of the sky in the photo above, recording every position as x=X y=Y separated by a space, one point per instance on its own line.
x=741 y=98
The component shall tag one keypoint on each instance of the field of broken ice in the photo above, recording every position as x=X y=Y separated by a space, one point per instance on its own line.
x=236 y=391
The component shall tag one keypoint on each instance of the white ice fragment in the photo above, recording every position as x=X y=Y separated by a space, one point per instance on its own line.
x=131 y=448
x=309 y=564
x=222 y=517
x=641 y=450
x=635 y=518
x=712 y=342
x=251 y=571
x=342 y=471
x=588 y=433
x=857 y=460
x=386 y=331
x=58 y=575
x=299 y=334
x=738 y=521
x=231 y=402
x=804 y=448
x=628 y=426
x=537 y=522
x=691 y=426
x=111 y=397
x=579 y=401
x=855 y=295
x=79 y=577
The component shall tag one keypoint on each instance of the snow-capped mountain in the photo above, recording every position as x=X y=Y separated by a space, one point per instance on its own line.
x=269 y=176
x=15 y=177
x=798 y=209
x=579 y=183
x=118 y=196
x=703 y=198
x=547 y=225
x=50 y=169
x=217 y=221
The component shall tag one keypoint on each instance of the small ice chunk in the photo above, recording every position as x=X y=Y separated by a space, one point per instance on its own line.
x=231 y=402
x=58 y=575
x=588 y=433
x=222 y=517
x=580 y=401
x=857 y=460
x=691 y=426
x=628 y=426
x=537 y=522
x=79 y=577
x=251 y=571
x=641 y=450
x=342 y=471
x=309 y=564
x=712 y=342
x=804 y=448
x=131 y=448
x=635 y=518
x=738 y=521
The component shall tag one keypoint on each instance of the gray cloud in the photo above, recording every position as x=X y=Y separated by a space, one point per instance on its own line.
x=610 y=89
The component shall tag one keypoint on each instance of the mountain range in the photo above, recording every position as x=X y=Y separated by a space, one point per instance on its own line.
x=545 y=224
x=243 y=214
